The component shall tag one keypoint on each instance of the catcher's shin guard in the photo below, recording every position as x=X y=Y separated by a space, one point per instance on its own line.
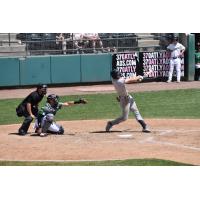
x=47 y=122
x=61 y=130
x=46 y=126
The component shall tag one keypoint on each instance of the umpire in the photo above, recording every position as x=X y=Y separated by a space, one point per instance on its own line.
x=29 y=108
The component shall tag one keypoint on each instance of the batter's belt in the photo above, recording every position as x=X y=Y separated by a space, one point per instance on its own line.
x=124 y=98
x=174 y=58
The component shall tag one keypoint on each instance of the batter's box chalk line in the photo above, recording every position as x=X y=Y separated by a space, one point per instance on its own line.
x=165 y=132
x=153 y=141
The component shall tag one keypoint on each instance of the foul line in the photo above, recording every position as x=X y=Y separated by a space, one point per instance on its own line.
x=165 y=132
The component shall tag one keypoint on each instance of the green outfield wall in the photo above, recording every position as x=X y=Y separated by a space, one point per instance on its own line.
x=60 y=69
x=34 y=70
x=96 y=68
x=9 y=72
x=65 y=69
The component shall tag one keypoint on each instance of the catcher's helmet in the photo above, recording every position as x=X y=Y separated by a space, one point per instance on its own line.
x=53 y=97
x=115 y=74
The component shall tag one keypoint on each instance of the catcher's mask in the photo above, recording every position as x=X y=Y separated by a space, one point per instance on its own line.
x=42 y=88
x=54 y=98
x=115 y=74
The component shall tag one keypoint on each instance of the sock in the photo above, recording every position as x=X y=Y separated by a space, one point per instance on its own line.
x=142 y=123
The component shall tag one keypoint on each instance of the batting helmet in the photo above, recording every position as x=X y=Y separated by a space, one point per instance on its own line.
x=115 y=74
x=53 y=97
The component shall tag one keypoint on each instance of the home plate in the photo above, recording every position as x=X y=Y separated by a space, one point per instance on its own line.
x=126 y=136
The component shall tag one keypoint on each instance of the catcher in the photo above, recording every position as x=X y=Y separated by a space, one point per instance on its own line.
x=126 y=101
x=45 y=122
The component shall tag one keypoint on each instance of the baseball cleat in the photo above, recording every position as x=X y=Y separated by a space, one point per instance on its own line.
x=108 y=126
x=43 y=134
x=146 y=130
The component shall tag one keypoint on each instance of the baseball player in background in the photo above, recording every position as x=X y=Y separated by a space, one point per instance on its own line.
x=126 y=101
x=176 y=52
x=45 y=122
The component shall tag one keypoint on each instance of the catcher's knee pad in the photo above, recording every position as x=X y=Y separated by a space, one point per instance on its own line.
x=61 y=130
x=50 y=118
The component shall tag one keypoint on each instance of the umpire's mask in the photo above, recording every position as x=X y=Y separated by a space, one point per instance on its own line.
x=42 y=89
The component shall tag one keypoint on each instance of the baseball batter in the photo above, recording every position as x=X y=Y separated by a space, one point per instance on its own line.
x=45 y=122
x=126 y=101
x=176 y=52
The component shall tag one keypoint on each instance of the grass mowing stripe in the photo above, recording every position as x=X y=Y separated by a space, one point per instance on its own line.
x=158 y=104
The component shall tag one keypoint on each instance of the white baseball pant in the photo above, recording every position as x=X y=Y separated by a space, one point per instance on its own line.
x=127 y=104
x=175 y=62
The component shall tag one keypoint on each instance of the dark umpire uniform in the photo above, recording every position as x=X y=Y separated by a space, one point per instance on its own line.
x=29 y=108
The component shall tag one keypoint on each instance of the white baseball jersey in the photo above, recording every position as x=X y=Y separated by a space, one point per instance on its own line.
x=120 y=86
x=91 y=35
x=78 y=36
x=175 y=49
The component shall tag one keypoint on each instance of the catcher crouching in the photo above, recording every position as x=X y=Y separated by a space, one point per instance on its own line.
x=45 y=122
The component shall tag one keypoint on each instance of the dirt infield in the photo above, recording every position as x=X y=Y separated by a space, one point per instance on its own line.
x=177 y=140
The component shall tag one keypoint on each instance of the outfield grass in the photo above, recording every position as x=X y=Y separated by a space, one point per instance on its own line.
x=130 y=162
x=159 y=104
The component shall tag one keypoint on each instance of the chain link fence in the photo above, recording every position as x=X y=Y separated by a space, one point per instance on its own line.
x=72 y=43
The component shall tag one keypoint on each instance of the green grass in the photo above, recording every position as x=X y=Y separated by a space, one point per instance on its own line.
x=130 y=162
x=160 y=104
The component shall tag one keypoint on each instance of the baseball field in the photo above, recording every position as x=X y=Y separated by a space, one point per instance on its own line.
x=171 y=110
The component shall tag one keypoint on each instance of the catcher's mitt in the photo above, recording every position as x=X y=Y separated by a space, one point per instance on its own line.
x=81 y=101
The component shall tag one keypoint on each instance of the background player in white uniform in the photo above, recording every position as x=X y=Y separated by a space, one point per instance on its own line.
x=127 y=102
x=176 y=52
